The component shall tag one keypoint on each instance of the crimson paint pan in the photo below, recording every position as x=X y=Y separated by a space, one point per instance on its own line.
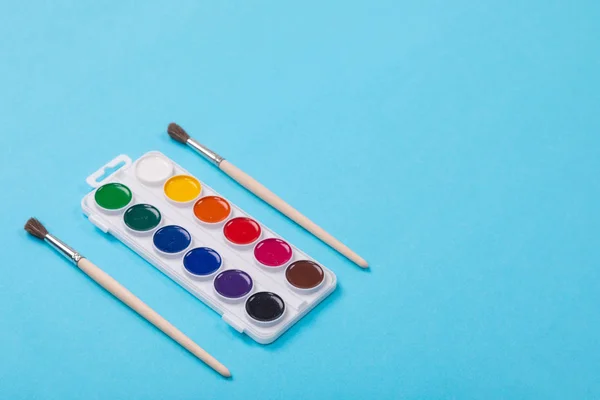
x=273 y=253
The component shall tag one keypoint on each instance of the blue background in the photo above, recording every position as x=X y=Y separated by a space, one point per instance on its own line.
x=455 y=145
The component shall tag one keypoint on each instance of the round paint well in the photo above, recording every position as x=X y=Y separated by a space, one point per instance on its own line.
x=265 y=307
x=172 y=239
x=273 y=252
x=153 y=170
x=242 y=231
x=182 y=188
x=113 y=196
x=304 y=275
x=212 y=209
x=202 y=261
x=233 y=284
x=142 y=218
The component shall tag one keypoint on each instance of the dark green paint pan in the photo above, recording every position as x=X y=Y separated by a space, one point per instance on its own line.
x=142 y=218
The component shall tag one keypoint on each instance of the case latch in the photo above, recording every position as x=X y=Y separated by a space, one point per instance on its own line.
x=234 y=322
x=98 y=222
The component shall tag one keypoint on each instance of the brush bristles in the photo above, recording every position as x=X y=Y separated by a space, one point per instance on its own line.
x=177 y=133
x=35 y=228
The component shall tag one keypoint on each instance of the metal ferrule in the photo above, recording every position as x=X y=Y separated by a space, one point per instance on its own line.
x=205 y=151
x=63 y=248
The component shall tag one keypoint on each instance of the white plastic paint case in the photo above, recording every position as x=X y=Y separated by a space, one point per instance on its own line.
x=297 y=302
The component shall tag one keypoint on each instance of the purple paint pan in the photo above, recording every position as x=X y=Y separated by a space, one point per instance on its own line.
x=233 y=284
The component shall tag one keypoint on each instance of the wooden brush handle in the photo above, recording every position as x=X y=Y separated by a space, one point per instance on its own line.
x=271 y=198
x=120 y=292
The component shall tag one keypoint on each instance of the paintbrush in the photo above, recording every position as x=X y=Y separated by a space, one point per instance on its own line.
x=180 y=135
x=35 y=228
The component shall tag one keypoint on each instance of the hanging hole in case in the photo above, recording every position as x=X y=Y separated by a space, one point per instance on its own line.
x=104 y=174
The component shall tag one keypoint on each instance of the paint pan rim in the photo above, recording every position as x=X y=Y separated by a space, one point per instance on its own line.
x=168 y=171
x=233 y=299
x=303 y=289
x=147 y=231
x=273 y=267
x=166 y=254
x=212 y=196
x=182 y=202
x=265 y=322
x=260 y=231
x=205 y=276
x=113 y=210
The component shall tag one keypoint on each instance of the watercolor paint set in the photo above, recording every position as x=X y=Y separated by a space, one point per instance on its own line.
x=259 y=282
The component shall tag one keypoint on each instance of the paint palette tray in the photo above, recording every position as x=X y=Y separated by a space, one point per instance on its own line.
x=260 y=283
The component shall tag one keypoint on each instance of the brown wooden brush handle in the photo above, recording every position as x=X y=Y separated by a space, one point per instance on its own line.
x=271 y=198
x=121 y=292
